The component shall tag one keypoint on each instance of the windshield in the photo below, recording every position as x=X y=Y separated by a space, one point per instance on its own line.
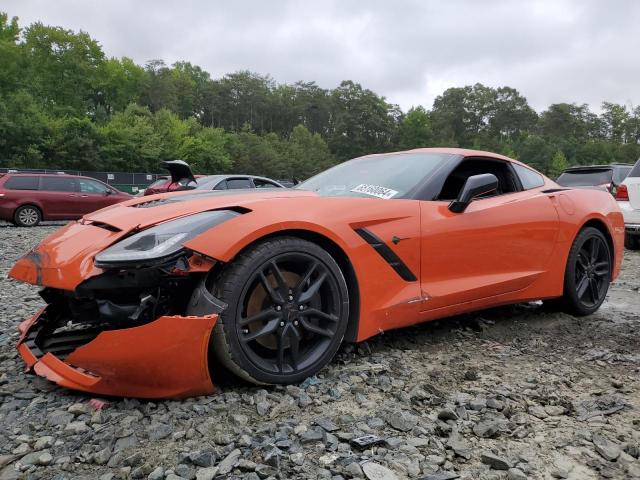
x=583 y=178
x=383 y=176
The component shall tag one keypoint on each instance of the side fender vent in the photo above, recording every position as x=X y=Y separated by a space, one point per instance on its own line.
x=387 y=254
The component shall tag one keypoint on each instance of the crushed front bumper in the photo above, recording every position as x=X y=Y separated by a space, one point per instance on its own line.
x=165 y=358
x=139 y=332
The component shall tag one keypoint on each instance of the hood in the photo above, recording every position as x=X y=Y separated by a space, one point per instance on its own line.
x=143 y=212
x=179 y=170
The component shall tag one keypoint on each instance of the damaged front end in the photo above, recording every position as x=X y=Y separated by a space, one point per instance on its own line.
x=131 y=329
x=135 y=333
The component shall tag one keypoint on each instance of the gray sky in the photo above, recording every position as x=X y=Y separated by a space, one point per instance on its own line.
x=410 y=51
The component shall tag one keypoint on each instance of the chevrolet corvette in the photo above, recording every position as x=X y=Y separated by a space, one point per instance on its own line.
x=148 y=297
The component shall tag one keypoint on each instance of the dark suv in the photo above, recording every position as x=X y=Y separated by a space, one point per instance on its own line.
x=26 y=199
x=605 y=176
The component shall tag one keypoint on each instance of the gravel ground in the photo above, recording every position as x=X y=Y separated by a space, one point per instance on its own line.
x=513 y=393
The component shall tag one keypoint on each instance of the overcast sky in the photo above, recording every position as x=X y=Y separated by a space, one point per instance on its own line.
x=583 y=51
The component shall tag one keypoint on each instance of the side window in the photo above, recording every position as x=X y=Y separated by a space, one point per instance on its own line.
x=91 y=186
x=528 y=177
x=58 y=184
x=22 y=183
x=233 y=183
x=259 y=183
x=221 y=186
x=469 y=167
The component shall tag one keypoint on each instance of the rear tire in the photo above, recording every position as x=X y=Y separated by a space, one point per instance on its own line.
x=588 y=273
x=631 y=242
x=287 y=313
x=27 y=216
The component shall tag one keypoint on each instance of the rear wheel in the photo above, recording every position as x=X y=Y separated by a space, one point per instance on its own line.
x=631 y=242
x=287 y=311
x=27 y=216
x=588 y=273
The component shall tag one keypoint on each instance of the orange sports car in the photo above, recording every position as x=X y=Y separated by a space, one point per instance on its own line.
x=146 y=297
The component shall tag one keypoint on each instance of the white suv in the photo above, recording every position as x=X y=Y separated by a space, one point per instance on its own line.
x=628 y=197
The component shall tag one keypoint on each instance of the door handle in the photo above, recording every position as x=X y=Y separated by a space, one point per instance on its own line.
x=84 y=196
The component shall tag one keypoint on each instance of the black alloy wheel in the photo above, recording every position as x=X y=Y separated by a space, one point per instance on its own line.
x=287 y=313
x=592 y=271
x=588 y=273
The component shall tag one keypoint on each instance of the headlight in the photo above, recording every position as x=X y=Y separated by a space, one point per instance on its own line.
x=162 y=242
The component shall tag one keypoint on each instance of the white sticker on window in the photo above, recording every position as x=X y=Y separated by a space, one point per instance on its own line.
x=375 y=191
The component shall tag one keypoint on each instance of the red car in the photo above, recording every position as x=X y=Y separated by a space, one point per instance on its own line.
x=181 y=177
x=28 y=198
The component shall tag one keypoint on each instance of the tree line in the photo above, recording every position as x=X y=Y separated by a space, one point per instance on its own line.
x=65 y=104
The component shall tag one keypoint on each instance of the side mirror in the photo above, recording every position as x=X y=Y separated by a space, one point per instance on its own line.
x=475 y=186
x=108 y=192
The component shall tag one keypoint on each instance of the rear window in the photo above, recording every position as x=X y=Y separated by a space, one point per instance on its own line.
x=58 y=184
x=635 y=171
x=22 y=183
x=582 y=178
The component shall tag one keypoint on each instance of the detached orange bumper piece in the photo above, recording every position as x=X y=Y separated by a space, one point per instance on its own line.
x=166 y=358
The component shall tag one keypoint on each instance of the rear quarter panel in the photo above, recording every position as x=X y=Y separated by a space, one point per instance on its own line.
x=577 y=207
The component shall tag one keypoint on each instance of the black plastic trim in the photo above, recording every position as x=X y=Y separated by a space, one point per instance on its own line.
x=554 y=190
x=387 y=254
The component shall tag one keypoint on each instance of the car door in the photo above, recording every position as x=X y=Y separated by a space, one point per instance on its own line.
x=93 y=195
x=498 y=245
x=59 y=196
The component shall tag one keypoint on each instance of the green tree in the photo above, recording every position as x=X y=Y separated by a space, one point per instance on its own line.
x=11 y=55
x=206 y=151
x=130 y=141
x=159 y=90
x=361 y=121
x=615 y=120
x=62 y=68
x=307 y=154
x=171 y=132
x=414 y=130
x=24 y=129
x=535 y=151
x=73 y=143
x=120 y=82
x=557 y=165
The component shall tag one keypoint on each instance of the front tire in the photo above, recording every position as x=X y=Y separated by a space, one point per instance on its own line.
x=588 y=273
x=27 y=216
x=287 y=313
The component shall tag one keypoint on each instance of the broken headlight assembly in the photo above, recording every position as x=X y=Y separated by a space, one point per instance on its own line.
x=160 y=243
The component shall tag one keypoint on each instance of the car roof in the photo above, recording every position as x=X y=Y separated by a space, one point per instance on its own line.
x=212 y=178
x=465 y=152
x=57 y=175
